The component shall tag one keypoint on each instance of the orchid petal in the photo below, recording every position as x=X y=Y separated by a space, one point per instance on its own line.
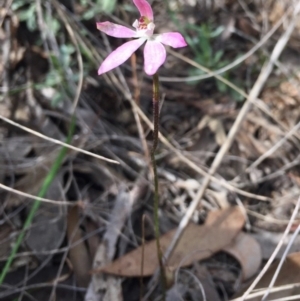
x=154 y=56
x=116 y=30
x=173 y=39
x=120 y=55
x=144 y=8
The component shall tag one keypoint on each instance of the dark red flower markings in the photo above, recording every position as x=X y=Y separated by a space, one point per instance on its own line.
x=143 y=23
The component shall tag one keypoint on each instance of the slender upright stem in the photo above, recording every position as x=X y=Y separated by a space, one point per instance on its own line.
x=155 y=111
x=156 y=195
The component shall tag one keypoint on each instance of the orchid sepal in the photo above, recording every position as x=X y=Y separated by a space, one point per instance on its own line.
x=154 y=52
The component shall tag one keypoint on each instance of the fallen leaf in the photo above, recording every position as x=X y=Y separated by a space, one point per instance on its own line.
x=269 y=240
x=197 y=243
x=78 y=254
x=33 y=180
x=6 y=240
x=276 y=12
x=104 y=287
x=93 y=239
x=176 y=292
x=247 y=27
x=207 y=283
x=49 y=224
x=289 y=274
x=122 y=209
x=216 y=126
x=248 y=252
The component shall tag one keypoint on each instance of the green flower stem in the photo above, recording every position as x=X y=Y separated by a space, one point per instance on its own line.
x=155 y=111
x=156 y=195
x=46 y=184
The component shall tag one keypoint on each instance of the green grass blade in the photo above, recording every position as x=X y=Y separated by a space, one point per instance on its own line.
x=47 y=182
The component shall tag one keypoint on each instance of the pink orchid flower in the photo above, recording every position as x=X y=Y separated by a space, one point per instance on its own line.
x=154 y=51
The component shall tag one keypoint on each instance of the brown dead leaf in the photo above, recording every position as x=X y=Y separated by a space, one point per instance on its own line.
x=246 y=26
x=103 y=287
x=289 y=273
x=247 y=251
x=277 y=11
x=188 y=284
x=4 y=108
x=207 y=283
x=31 y=182
x=290 y=88
x=78 y=254
x=216 y=126
x=197 y=243
x=49 y=223
x=268 y=241
x=93 y=240
x=176 y=292
x=6 y=240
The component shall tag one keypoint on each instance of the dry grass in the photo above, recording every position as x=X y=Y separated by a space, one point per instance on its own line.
x=219 y=147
